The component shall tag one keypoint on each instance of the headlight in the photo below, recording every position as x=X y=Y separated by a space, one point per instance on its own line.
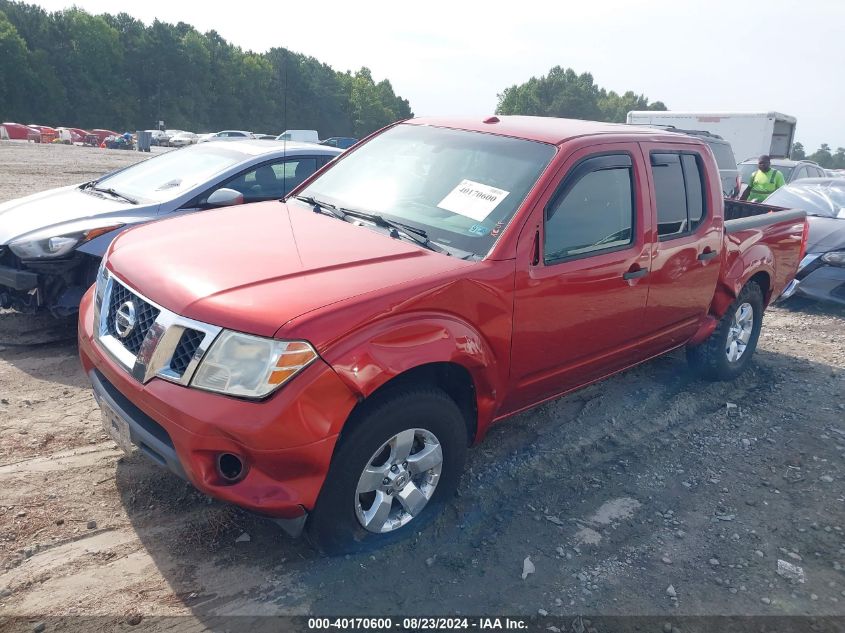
x=38 y=247
x=250 y=366
x=834 y=258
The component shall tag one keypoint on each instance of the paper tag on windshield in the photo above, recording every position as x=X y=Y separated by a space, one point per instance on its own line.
x=473 y=200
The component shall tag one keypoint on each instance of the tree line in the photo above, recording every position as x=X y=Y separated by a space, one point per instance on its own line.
x=823 y=156
x=73 y=68
x=564 y=93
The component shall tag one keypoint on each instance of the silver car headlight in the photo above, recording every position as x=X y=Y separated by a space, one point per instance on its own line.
x=46 y=246
x=834 y=258
x=250 y=366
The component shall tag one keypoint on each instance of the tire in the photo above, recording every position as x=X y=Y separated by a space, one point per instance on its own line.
x=721 y=356
x=337 y=523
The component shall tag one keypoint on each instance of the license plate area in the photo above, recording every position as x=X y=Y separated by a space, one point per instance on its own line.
x=116 y=427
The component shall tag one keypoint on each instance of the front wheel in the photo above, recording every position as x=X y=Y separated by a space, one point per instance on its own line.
x=728 y=350
x=392 y=473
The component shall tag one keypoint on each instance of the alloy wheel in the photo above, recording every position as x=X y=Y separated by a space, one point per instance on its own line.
x=398 y=481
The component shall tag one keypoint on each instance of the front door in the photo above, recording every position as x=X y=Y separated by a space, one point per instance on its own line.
x=582 y=276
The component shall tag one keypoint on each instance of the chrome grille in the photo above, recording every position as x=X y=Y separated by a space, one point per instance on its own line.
x=145 y=316
x=186 y=348
x=159 y=343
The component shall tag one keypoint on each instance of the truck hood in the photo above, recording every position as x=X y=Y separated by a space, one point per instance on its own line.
x=253 y=268
x=826 y=234
x=55 y=207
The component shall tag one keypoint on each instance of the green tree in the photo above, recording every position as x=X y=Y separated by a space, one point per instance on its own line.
x=74 y=68
x=563 y=93
x=838 y=161
x=16 y=77
x=822 y=156
x=798 y=152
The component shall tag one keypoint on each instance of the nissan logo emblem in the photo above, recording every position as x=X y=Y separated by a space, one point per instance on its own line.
x=124 y=319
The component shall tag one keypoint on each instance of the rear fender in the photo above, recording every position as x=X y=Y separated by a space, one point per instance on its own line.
x=755 y=260
x=376 y=354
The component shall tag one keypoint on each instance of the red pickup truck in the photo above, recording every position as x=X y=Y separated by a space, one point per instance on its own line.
x=326 y=360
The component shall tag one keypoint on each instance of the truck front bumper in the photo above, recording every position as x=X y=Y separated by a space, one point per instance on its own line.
x=285 y=442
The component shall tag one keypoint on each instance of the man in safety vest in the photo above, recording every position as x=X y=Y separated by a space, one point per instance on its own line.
x=764 y=182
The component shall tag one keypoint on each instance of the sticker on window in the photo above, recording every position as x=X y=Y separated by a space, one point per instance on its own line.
x=473 y=200
x=478 y=229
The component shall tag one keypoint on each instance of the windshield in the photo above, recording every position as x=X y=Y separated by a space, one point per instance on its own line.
x=746 y=170
x=172 y=174
x=723 y=153
x=461 y=187
x=817 y=199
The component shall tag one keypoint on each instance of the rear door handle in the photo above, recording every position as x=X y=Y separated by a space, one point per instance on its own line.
x=635 y=274
x=707 y=255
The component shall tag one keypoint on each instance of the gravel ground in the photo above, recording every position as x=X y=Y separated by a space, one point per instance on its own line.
x=650 y=493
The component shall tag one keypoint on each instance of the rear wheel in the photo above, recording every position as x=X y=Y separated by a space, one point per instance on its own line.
x=392 y=474
x=728 y=350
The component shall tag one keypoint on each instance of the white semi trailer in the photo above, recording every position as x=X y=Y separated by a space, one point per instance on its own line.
x=749 y=133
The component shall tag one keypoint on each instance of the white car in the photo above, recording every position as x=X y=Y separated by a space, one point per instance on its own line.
x=302 y=136
x=183 y=139
x=228 y=134
x=51 y=242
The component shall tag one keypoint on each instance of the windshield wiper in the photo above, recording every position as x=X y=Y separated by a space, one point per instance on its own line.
x=112 y=192
x=398 y=229
x=323 y=207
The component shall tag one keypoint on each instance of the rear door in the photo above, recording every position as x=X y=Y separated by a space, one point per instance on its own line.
x=582 y=275
x=685 y=261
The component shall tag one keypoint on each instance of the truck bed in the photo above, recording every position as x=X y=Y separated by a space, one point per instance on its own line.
x=735 y=209
x=762 y=233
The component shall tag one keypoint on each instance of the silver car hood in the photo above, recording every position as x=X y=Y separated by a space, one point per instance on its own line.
x=53 y=208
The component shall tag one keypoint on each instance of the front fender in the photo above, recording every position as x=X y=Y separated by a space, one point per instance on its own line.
x=374 y=355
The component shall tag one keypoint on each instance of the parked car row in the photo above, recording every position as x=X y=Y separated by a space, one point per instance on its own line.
x=163 y=138
x=46 y=134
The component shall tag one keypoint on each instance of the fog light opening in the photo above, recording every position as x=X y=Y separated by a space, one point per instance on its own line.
x=230 y=467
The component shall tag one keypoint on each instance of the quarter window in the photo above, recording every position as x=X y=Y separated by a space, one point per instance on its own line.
x=679 y=193
x=596 y=213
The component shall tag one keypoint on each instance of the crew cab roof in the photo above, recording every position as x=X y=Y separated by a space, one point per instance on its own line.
x=546 y=129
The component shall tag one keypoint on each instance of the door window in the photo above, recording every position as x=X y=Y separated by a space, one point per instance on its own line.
x=592 y=212
x=273 y=180
x=679 y=192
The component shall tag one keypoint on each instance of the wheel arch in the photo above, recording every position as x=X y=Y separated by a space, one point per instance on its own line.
x=427 y=348
x=450 y=377
x=730 y=287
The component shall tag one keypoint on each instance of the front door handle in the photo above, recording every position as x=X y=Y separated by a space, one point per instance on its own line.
x=635 y=274
x=707 y=255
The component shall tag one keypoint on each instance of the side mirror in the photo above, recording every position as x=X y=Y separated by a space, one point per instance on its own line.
x=225 y=198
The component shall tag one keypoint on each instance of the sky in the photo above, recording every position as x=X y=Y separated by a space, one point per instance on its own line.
x=453 y=58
